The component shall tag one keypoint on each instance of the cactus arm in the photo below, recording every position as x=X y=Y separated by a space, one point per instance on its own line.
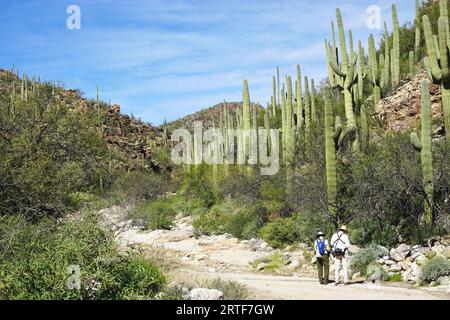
x=436 y=74
x=415 y=141
x=443 y=56
x=342 y=45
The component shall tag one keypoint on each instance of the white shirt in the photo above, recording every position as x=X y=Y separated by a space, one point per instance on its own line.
x=316 y=248
x=340 y=240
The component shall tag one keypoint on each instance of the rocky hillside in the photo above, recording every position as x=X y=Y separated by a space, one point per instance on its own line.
x=400 y=111
x=205 y=115
x=131 y=138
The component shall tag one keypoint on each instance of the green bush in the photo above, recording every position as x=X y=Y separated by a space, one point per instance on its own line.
x=396 y=277
x=435 y=268
x=135 y=186
x=365 y=257
x=232 y=290
x=374 y=269
x=47 y=151
x=228 y=217
x=365 y=231
x=159 y=214
x=35 y=259
x=282 y=232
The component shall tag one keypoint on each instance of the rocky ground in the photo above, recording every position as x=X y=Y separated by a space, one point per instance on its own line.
x=249 y=263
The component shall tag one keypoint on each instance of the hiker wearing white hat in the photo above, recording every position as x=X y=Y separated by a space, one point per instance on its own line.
x=340 y=244
x=322 y=249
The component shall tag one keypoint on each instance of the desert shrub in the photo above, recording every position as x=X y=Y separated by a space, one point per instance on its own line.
x=282 y=231
x=232 y=290
x=365 y=231
x=396 y=277
x=273 y=262
x=80 y=200
x=158 y=214
x=435 y=268
x=374 y=269
x=228 y=217
x=135 y=186
x=35 y=259
x=360 y=261
x=47 y=151
x=198 y=184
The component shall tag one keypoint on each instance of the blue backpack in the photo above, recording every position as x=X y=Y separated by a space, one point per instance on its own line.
x=321 y=247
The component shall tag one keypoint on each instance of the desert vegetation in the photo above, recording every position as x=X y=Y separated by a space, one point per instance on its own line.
x=338 y=165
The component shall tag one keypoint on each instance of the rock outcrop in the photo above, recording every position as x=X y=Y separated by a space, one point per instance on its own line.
x=400 y=111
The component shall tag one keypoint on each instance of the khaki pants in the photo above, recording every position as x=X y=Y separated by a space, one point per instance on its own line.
x=338 y=262
x=323 y=267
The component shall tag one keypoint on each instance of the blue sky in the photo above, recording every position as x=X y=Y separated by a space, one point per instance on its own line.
x=165 y=59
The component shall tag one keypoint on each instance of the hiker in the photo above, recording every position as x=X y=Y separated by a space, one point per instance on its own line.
x=322 y=248
x=340 y=244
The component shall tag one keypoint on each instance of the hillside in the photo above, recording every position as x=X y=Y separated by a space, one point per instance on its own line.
x=400 y=110
x=132 y=139
x=205 y=115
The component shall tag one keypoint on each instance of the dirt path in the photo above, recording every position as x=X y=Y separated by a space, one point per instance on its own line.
x=223 y=256
x=265 y=286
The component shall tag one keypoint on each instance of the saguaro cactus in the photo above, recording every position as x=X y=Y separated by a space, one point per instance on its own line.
x=424 y=145
x=298 y=95
x=246 y=118
x=396 y=47
x=361 y=70
x=313 y=102
x=330 y=153
x=308 y=133
x=375 y=77
x=345 y=72
x=437 y=61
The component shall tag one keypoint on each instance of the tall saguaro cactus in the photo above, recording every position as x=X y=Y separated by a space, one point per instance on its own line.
x=246 y=118
x=424 y=145
x=330 y=154
x=345 y=72
x=396 y=48
x=298 y=95
x=437 y=61
x=375 y=77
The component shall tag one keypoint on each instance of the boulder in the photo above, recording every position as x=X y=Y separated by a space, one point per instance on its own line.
x=444 y=281
x=261 y=266
x=390 y=263
x=205 y=294
x=294 y=264
x=415 y=270
x=420 y=260
x=380 y=261
x=415 y=255
x=395 y=268
x=400 y=253
x=356 y=276
x=439 y=249
x=405 y=265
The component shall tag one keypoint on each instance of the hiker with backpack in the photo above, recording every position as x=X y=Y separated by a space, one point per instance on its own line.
x=322 y=248
x=340 y=244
